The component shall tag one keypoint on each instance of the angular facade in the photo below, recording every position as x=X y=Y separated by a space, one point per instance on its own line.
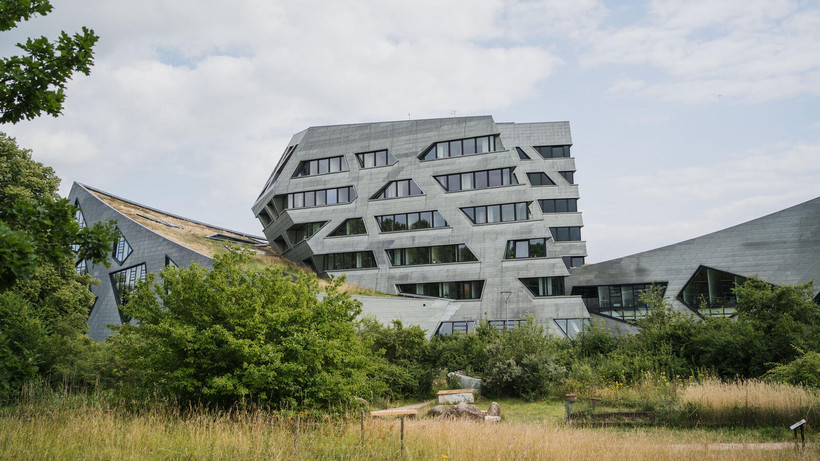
x=149 y=240
x=699 y=275
x=484 y=214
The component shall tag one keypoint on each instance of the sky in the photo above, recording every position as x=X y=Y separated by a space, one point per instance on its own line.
x=687 y=116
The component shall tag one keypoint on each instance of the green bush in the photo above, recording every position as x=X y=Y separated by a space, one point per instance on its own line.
x=231 y=335
x=804 y=370
x=406 y=366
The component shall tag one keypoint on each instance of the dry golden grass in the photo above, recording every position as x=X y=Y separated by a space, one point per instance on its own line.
x=718 y=395
x=91 y=431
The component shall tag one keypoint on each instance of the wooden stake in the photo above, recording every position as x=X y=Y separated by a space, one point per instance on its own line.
x=296 y=437
x=362 y=425
x=402 y=436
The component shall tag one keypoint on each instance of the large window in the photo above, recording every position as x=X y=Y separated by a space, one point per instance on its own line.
x=459 y=147
x=558 y=205
x=410 y=221
x=125 y=280
x=450 y=290
x=78 y=216
x=569 y=176
x=352 y=226
x=572 y=327
x=505 y=212
x=528 y=248
x=573 y=261
x=711 y=292
x=395 y=189
x=376 y=158
x=349 y=260
x=521 y=154
x=322 y=197
x=553 y=151
x=321 y=166
x=477 y=179
x=621 y=302
x=566 y=234
x=304 y=231
x=439 y=254
x=544 y=286
x=540 y=179
x=121 y=249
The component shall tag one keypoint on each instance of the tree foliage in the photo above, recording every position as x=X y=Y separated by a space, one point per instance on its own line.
x=34 y=82
x=228 y=335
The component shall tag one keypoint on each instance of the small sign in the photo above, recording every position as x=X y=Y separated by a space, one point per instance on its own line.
x=797 y=424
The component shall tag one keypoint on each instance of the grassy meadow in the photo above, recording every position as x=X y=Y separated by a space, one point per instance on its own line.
x=78 y=426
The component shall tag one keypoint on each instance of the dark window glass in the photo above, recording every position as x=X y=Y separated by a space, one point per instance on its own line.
x=455 y=148
x=470 y=212
x=508 y=212
x=425 y=220
x=469 y=146
x=349 y=260
x=569 y=176
x=547 y=206
x=495 y=178
x=565 y=234
x=538 y=248
x=412 y=220
x=414 y=189
x=454 y=182
x=400 y=222
x=521 y=154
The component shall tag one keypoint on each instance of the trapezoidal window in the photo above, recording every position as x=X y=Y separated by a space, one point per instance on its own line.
x=121 y=249
x=521 y=154
x=324 y=197
x=571 y=327
x=569 y=176
x=123 y=283
x=477 y=179
x=566 y=234
x=375 y=159
x=558 y=205
x=505 y=212
x=411 y=221
x=450 y=290
x=349 y=260
x=304 y=231
x=459 y=147
x=352 y=226
x=620 y=302
x=553 y=151
x=540 y=179
x=439 y=254
x=321 y=166
x=544 y=286
x=396 y=189
x=78 y=216
x=711 y=293
x=527 y=248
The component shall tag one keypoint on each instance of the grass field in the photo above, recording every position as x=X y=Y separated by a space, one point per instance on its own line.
x=75 y=427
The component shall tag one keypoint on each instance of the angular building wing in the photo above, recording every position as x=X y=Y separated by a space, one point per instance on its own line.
x=482 y=213
x=699 y=275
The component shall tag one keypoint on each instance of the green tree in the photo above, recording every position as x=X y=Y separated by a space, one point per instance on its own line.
x=231 y=335
x=34 y=82
x=408 y=368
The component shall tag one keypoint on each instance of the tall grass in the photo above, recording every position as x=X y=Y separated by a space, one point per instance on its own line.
x=747 y=403
x=86 y=427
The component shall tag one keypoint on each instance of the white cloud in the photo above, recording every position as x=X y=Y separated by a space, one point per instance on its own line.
x=739 y=50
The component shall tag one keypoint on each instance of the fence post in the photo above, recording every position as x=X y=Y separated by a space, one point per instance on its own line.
x=362 y=426
x=296 y=437
x=402 y=436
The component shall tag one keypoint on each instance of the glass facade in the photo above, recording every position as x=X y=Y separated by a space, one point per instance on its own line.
x=439 y=254
x=569 y=176
x=81 y=267
x=375 y=159
x=621 y=302
x=477 y=179
x=459 y=147
x=559 y=205
x=498 y=213
x=573 y=261
x=566 y=234
x=711 y=293
x=125 y=280
x=449 y=290
x=544 y=286
x=395 y=189
x=521 y=154
x=553 y=151
x=324 y=197
x=304 y=231
x=411 y=221
x=349 y=260
x=321 y=166
x=540 y=179
x=571 y=327
x=121 y=249
x=528 y=248
x=451 y=327
x=352 y=226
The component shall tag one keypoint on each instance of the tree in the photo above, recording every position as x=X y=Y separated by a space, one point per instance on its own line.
x=44 y=302
x=36 y=226
x=34 y=82
x=232 y=335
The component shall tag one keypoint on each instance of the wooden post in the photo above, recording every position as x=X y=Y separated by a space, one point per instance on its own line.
x=362 y=425
x=402 y=436
x=296 y=437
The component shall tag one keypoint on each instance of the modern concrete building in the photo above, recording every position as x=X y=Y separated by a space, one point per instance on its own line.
x=698 y=275
x=152 y=239
x=484 y=214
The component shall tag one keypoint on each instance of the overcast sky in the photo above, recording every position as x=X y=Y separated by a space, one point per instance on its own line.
x=686 y=116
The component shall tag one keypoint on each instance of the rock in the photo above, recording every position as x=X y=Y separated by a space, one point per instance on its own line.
x=492 y=419
x=466 y=382
x=494 y=410
x=463 y=411
x=437 y=410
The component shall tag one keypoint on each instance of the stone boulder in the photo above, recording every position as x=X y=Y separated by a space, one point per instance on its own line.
x=437 y=410
x=463 y=411
x=494 y=410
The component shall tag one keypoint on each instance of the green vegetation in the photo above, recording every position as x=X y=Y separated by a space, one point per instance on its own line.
x=34 y=82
